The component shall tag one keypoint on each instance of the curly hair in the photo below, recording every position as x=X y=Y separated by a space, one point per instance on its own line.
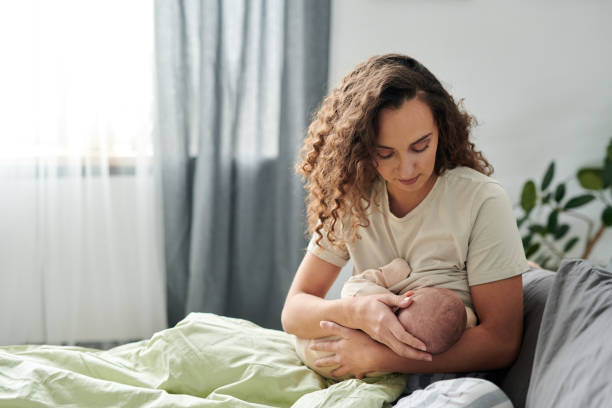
x=337 y=158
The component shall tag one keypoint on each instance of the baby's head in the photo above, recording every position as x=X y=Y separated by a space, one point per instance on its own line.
x=436 y=316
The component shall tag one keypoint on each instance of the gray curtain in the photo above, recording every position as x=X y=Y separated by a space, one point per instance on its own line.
x=237 y=83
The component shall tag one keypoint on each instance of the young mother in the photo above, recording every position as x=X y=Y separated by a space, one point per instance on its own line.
x=390 y=173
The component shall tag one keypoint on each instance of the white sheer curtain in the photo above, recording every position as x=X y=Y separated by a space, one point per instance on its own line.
x=80 y=245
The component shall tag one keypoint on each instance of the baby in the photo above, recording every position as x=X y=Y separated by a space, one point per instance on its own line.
x=436 y=316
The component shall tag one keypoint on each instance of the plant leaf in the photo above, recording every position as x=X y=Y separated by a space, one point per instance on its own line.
x=570 y=244
x=553 y=221
x=561 y=231
x=590 y=178
x=579 y=201
x=527 y=241
x=606 y=175
x=606 y=216
x=560 y=192
x=522 y=220
x=528 y=196
x=548 y=176
x=538 y=229
x=532 y=249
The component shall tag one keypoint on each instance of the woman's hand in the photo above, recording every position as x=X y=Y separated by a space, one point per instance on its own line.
x=354 y=351
x=375 y=315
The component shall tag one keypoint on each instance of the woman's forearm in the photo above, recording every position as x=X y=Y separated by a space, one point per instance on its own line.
x=493 y=344
x=303 y=313
x=371 y=315
x=478 y=349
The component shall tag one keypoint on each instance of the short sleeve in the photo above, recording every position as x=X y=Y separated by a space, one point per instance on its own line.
x=328 y=252
x=495 y=250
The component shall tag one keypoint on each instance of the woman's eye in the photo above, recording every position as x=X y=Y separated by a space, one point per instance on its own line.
x=385 y=156
x=421 y=150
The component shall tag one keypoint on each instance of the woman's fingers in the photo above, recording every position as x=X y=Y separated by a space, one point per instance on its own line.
x=404 y=350
x=405 y=344
x=398 y=331
x=329 y=326
x=395 y=337
x=393 y=334
x=341 y=372
x=324 y=345
x=329 y=361
x=335 y=328
x=397 y=300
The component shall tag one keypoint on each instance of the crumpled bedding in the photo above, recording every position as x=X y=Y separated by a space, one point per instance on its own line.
x=572 y=363
x=206 y=360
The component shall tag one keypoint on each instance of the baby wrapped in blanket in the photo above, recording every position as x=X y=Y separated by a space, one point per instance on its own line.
x=436 y=316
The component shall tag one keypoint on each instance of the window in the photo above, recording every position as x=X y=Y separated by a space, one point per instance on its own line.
x=76 y=80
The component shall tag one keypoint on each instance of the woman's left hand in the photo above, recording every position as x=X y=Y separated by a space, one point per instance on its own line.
x=354 y=351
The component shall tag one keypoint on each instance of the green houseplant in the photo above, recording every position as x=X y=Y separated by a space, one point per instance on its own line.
x=546 y=237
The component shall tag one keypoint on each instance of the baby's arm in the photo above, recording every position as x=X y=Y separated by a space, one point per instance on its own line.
x=376 y=281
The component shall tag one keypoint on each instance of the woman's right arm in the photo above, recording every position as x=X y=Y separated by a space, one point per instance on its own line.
x=305 y=307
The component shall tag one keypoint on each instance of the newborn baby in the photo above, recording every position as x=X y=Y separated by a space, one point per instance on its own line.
x=436 y=316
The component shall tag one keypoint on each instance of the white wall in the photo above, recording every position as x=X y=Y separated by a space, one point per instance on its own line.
x=536 y=74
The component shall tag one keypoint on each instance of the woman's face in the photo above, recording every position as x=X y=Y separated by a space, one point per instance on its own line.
x=406 y=149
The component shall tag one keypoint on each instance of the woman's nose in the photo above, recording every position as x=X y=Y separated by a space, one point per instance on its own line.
x=407 y=165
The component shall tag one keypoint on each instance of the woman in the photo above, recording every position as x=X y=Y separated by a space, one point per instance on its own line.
x=390 y=172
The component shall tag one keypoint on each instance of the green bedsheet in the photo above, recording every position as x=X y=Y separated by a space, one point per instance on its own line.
x=204 y=361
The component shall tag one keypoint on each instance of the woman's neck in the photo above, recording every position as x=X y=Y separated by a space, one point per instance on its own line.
x=402 y=202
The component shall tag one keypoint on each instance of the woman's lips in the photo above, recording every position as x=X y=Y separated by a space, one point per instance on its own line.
x=408 y=182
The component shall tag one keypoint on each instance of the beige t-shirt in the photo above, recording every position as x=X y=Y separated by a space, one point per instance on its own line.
x=463 y=233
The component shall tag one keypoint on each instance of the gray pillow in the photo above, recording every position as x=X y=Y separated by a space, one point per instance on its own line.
x=515 y=380
x=573 y=358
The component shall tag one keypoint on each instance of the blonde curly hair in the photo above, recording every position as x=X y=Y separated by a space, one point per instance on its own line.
x=337 y=158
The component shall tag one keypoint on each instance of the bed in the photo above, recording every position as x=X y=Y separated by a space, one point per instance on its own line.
x=213 y=361
x=204 y=361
